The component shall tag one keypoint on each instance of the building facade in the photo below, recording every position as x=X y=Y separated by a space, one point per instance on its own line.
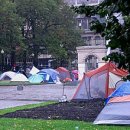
x=90 y=55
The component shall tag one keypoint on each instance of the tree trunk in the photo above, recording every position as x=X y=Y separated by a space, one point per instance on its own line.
x=35 y=47
x=13 y=57
x=35 y=59
x=69 y=64
x=24 y=61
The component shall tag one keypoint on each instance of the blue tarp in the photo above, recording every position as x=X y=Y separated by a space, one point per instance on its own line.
x=122 y=90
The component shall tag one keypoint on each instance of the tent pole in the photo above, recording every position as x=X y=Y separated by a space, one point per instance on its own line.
x=107 y=81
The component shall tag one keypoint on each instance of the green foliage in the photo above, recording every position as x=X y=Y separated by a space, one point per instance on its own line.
x=10 y=22
x=27 y=25
x=115 y=27
x=68 y=36
x=52 y=24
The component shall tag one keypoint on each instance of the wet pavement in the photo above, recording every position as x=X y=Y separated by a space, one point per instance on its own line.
x=11 y=96
x=8 y=103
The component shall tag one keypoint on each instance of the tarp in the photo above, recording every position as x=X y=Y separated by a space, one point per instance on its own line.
x=99 y=83
x=7 y=75
x=35 y=78
x=117 y=109
x=20 y=77
x=34 y=70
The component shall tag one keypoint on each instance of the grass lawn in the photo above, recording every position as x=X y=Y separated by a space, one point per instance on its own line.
x=36 y=124
x=29 y=124
x=8 y=110
x=9 y=83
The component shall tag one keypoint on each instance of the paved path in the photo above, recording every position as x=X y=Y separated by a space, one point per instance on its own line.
x=11 y=96
x=8 y=103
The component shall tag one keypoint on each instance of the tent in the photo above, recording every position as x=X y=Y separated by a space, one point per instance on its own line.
x=20 y=77
x=117 y=109
x=36 y=78
x=99 y=83
x=49 y=75
x=45 y=76
x=34 y=70
x=75 y=73
x=7 y=75
x=63 y=73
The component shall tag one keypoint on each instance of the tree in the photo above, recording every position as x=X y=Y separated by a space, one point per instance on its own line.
x=38 y=17
x=66 y=37
x=47 y=23
x=115 y=28
x=10 y=33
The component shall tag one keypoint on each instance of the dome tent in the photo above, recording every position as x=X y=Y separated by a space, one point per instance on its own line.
x=116 y=110
x=20 y=78
x=63 y=73
x=36 y=78
x=99 y=83
x=7 y=75
x=49 y=75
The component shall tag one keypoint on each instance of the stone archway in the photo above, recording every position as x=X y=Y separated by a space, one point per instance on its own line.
x=91 y=62
x=90 y=52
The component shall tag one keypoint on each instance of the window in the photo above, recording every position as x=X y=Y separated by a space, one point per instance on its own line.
x=97 y=40
x=84 y=23
x=80 y=2
x=91 y=62
x=87 y=40
x=70 y=2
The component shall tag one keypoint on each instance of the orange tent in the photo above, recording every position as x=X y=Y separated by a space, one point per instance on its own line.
x=63 y=73
x=99 y=83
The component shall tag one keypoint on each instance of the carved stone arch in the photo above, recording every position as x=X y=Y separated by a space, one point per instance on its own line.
x=92 y=53
x=91 y=62
x=97 y=37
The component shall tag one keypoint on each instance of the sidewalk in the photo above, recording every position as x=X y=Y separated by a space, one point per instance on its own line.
x=10 y=96
x=9 y=103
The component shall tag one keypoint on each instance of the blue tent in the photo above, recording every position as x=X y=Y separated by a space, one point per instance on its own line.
x=35 y=78
x=117 y=108
x=122 y=90
x=44 y=75
x=50 y=75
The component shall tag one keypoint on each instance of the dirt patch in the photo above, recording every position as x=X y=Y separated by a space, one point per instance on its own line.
x=75 y=110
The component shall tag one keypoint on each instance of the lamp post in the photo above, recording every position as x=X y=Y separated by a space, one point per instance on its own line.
x=2 y=59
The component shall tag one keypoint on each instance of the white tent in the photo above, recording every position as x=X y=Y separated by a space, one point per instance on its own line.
x=34 y=70
x=7 y=75
x=19 y=77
